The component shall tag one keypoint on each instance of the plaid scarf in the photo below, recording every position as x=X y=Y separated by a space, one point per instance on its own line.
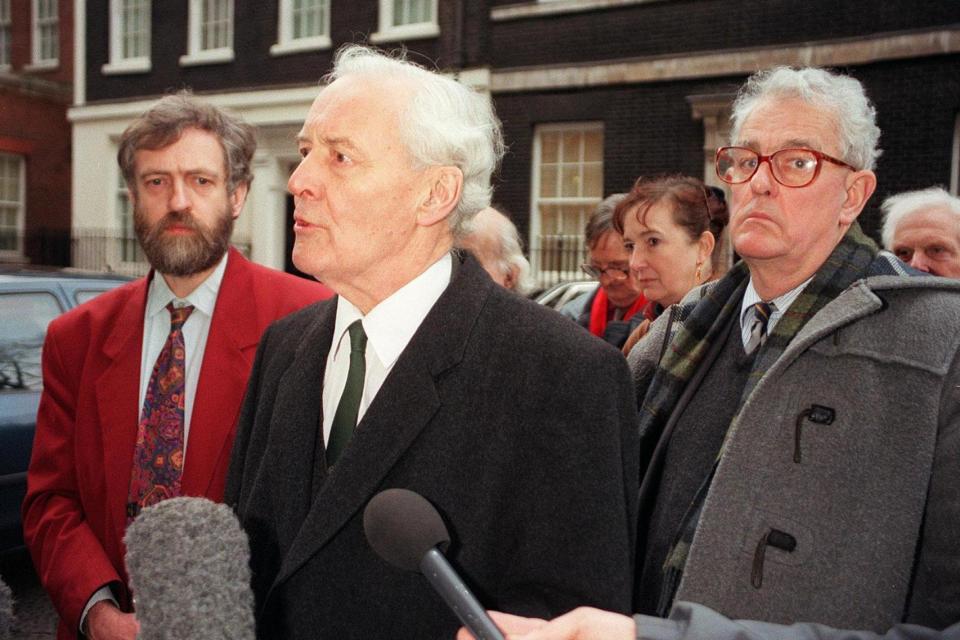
x=854 y=258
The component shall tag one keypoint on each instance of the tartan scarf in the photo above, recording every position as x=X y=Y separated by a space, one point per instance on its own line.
x=854 y=258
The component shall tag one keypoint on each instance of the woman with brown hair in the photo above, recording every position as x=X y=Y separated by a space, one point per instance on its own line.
x=671 y=225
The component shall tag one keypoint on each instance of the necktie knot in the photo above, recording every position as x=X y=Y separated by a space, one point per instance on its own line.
x=358 y=338
x=758 y=330
x=178 y=315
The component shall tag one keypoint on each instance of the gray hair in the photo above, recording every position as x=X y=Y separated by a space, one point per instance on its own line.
x=509 y=249
x=899 y=206
x=602 y=219
x=445 y=123
x=844 y=97
x=164 y=123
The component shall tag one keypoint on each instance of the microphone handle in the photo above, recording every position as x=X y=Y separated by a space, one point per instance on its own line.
x=458 y=596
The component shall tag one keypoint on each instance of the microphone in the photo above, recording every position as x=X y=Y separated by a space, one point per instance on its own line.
x=189 y=565
x=6 y=612
x=405 y=530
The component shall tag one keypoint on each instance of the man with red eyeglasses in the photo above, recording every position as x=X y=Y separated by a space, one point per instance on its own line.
x=800 y=416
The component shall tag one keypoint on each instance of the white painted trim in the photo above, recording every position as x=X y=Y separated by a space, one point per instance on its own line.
x=296 y=100
x=316 y=43
x=388 y=32
x=406 y=32
x=48 y=63
x=553 y=7
x=79 y=52
x=208 y=56
x=848 y=52
x=117 y=63
x=130 y=65
x=286 y=43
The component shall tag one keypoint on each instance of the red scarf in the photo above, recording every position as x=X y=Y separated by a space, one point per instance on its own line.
x=598 y=312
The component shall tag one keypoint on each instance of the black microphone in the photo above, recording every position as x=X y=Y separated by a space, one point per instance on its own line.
x=6 y=612
x=189 y=566
x=406 y=531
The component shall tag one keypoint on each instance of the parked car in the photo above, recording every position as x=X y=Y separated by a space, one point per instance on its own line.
x=29 y=300
x=560 y=294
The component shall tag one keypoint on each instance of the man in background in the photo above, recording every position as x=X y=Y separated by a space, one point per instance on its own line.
x=494 y=241
x=923 y=229
x=615 y=308
x=142 y=385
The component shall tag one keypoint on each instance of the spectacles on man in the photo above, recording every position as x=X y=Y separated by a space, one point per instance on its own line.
x=790 y=167
x=613 y=272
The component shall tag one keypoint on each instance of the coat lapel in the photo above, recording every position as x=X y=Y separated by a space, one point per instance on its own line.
x=228 y=356
x=118 y=393
x=402 y=408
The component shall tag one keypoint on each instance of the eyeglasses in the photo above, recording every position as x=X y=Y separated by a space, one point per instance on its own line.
x=790 y=167
x=614 y=273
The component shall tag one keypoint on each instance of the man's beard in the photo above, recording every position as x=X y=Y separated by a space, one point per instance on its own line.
x=183 y=255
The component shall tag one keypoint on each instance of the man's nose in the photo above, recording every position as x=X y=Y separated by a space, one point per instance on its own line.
x=179 y=199
x=763 y=181
x=919 y=261
x=303 y=182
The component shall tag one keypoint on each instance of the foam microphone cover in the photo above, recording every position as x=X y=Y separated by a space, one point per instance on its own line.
x=189 y=565
x=6 y=612
x=402 y=526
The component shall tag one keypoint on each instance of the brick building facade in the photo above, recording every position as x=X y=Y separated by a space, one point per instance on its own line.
x=592 y=93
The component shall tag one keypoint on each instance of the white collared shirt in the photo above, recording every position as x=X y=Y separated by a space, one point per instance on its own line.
x=780 y=304
x=389 y=327
x=156 y=328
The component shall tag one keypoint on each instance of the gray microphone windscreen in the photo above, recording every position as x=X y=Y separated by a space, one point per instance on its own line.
x=189 y=566
x=402 y=526
x=6 y=612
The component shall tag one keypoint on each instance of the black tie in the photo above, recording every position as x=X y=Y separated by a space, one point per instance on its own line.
x=345 y=419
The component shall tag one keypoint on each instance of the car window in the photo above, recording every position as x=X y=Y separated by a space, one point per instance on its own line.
x=83 y=295
x=24 y=317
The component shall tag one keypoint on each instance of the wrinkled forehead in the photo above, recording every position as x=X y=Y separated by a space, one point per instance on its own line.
x=374 y=99
x=935 y=219
x=778 y=122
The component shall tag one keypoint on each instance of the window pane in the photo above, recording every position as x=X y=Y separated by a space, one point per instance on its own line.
x=593 y=146
x=548 y=147
x=548 y=181
x=570 y=181
x=23 y=325
x=593 y=180
x=571 y=146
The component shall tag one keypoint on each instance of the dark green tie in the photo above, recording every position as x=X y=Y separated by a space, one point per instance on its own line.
x=345 y=419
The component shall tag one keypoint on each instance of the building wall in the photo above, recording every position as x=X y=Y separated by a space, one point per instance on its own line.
x=33 y=124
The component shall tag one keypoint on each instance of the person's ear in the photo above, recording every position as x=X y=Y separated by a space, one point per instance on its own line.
x=705 y=245
x=445 y=185
x=237 y=198
x=859 y=185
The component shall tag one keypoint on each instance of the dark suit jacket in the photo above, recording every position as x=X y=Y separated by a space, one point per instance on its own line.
x=517 y=425
x=74 y=512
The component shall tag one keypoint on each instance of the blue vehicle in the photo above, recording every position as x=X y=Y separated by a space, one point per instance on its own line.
x=29 y=300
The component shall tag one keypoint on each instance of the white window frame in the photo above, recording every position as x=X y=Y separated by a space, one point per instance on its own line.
x=389 y=32
x=21 y=207
x=287 y=43
x=6 y=28
x=36 y=62
x=195 y=55
x=118 y=63
x=536 y=245
x=123 y=214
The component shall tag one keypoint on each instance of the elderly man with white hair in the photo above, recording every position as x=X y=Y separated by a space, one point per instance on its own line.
x=494 y=241
x=800 y=417
x=423 y=374
x=923 y=229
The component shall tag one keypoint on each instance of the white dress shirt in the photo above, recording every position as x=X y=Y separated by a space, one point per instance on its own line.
x=389 y=327
x=156 y=329
x=780 y=304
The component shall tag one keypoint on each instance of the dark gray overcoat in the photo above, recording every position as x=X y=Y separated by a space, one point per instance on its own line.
x=516 y=424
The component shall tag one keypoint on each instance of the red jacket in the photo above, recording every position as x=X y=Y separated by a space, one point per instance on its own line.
x=74 y=515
